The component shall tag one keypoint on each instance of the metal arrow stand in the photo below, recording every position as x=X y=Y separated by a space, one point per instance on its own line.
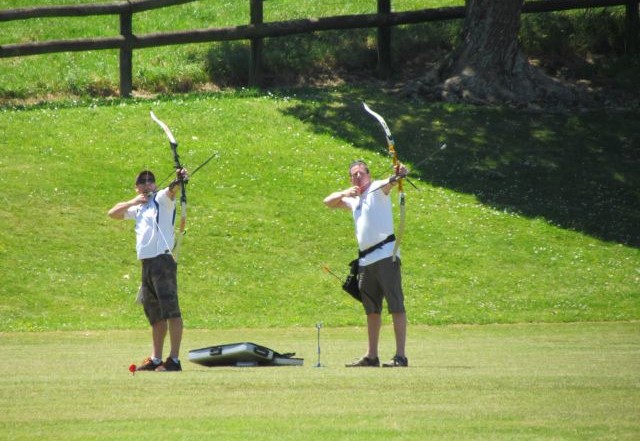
x=318 y=327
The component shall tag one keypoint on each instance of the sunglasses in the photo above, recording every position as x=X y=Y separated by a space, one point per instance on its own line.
x=145 y=181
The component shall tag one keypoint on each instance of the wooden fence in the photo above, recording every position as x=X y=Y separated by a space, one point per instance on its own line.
x=257 y=30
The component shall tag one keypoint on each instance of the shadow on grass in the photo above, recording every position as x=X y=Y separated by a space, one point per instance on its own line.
x=579 y=171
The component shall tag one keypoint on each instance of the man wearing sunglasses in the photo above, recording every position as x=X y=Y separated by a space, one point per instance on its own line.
x=154 y=212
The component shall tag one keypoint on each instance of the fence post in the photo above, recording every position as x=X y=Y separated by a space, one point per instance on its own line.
x=384 y=42
x=633 y=26
x=255 y=67
x=126 y=55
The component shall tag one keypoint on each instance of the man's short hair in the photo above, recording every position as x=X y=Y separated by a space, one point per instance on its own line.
x=144 y=177
x=358 y=162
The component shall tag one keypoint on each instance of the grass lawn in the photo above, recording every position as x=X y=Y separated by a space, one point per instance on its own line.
x=494 y=382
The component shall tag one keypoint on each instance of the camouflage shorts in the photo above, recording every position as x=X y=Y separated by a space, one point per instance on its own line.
x=159 y=288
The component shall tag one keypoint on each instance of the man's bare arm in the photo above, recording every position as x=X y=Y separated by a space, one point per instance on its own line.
x=119 y=209
x=336 y=199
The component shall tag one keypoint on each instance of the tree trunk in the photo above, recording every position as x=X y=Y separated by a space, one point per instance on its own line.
x=489 y=66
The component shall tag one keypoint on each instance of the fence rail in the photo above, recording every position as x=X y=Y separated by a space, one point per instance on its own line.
x=85 y=10
x=257 y=30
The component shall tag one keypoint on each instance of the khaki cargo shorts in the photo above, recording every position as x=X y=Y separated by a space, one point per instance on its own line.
x=381 y=280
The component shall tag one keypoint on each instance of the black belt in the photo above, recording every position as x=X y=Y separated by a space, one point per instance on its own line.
x=390 y=238
x=164 y=253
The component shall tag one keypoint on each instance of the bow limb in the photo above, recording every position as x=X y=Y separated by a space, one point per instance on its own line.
x=400 y=231
x=394 y=157
x=183 y=193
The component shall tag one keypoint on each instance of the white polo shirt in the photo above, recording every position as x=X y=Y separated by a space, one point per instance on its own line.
x=154 y=225
x=373 y=218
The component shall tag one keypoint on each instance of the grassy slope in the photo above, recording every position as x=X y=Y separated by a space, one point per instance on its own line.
x=524 y=217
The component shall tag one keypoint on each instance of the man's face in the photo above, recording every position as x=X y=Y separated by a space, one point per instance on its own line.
x=145 y=186
x=359 y=176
